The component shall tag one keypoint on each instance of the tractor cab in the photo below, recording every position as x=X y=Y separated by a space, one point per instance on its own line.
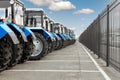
x=36 y=17
x=12 y=11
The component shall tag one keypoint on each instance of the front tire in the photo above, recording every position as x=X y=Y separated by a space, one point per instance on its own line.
x=40 y=47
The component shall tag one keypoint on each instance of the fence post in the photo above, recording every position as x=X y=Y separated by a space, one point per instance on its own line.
x=99 y=36
x=107 y=51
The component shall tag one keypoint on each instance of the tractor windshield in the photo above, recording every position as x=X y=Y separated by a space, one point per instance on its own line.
x=56 y=28
x=2 y=13
x=34 y=21
x=5 y=13
x=34 y=17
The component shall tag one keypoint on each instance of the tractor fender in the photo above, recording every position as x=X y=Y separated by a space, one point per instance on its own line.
x=56 y=36
x=46 y=34
x=17 y=30
x=28 y=32
x=67 y=36
x=72 y=37
x=53 y=36
x=62 y=36
x=5 y=30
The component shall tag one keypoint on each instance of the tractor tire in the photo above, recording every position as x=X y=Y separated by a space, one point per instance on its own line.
x=40 y=47
x=5 y=52
x=28 y=50
x=57 y=44
x=50 y=46
x=17 y=54
x=61 y=44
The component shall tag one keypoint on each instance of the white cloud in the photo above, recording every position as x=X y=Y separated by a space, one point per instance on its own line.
x=82 y=25
x=84 y=11
x=41 y=2
x=54 y=5
x=61 y=6
x=83 y=19
x=73 y=28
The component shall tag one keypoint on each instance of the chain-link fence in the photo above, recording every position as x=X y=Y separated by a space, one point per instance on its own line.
x=103 y=35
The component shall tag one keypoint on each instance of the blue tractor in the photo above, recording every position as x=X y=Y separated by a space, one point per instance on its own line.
x=67 y=36
x=59 y=31
x=57 y=38
x=72 y=35
x=9 y=46
x=13 y=13
x=48 y=23
x=38 y=24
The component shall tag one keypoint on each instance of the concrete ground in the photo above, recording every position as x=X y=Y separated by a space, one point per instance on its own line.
x=71 y=63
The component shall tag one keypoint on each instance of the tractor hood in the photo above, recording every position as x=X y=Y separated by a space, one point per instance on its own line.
x=5 y=30
x=28 y=32
x=46 y=34
x=17 y=30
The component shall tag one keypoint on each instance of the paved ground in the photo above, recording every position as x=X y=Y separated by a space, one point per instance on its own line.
x=70 y=63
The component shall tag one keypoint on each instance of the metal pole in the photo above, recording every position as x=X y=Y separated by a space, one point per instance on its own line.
x=42 y=19
x=12 y=12
x=107 y=55
x=46 y=22
x=99 y=36
x=6 y=13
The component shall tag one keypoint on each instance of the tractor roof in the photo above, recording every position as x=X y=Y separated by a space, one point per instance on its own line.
x=6 y=3
x=34 y=9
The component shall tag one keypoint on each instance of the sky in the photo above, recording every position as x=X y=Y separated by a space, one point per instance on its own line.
x=75 y=14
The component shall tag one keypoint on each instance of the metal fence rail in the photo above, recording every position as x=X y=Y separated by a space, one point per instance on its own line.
x=103 y=35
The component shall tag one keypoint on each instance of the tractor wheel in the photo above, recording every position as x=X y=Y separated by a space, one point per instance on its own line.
x=61 y=44
x=40 y=47
x=50 y=46
x=57 y=44
x=28 y=50
x=17 y=54
x=5 y=52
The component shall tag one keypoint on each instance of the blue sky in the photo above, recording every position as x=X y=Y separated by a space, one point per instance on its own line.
x=77 y=14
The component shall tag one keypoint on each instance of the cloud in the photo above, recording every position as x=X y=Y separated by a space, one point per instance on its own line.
x=73 y=28
x=55 y=5
x=41 y=2
x=61 y=6
x=83 y=19
x=82 y=25
x=84 y=11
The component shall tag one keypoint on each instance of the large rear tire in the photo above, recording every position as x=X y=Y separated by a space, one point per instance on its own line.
x=40 y=47
x=28 y=50
x=5 y=52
